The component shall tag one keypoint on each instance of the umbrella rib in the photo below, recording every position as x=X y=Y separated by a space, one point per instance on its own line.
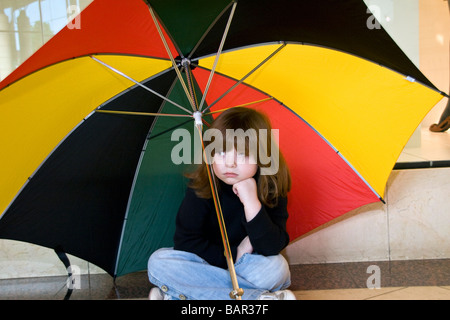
x=246 y=76
x=175 y=66
x=208 y=30
x=240 y=105
x=219 y=52
x=150 y=114
x=139 y=84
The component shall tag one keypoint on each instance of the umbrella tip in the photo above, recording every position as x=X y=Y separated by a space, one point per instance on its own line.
x=198 y=118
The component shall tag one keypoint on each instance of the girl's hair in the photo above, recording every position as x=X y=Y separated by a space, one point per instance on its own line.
x=271 y=186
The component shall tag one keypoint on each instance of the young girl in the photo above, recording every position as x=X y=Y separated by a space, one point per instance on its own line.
x=254 y=210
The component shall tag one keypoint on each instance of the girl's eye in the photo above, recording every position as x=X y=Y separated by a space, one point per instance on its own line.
x=221 y=153
x=241 y=155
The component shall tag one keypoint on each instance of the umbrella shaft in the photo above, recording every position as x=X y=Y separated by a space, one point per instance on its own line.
x=237 y=292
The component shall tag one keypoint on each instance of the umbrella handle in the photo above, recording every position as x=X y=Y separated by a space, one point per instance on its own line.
x=237 y=292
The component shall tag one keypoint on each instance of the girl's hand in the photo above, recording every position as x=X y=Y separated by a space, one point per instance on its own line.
x=246 y=190
x=244 y=247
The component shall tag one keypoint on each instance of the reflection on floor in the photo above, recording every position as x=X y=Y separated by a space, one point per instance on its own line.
x=419 y=279
x=397 y=280
x=434 y=151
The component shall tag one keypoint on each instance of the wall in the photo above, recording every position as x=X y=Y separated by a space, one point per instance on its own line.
x=435 y=50
x=413 y=224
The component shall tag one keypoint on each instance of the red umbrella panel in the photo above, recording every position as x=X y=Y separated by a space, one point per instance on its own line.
x=323 y=182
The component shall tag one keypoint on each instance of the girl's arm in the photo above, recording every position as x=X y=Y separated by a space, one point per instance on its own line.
x=267 y=230
x=246 y=190
x=266 y=227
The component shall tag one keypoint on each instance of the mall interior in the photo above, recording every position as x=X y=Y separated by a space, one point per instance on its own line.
x=397 y=250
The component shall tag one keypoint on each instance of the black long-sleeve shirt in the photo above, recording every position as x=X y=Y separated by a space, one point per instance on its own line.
x=197 y=228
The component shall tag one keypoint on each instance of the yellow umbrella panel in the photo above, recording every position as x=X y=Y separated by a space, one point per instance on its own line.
x=39 y=111
x=365 y=111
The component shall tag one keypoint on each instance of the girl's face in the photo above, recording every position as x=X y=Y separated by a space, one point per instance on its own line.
x=231 y=167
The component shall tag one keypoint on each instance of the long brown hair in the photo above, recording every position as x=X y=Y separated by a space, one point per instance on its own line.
x=270 y=186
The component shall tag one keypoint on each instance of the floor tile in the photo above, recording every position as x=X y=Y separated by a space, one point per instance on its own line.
x=390 y=293
x=356 y=274
x=341 y=294
x=415 y=293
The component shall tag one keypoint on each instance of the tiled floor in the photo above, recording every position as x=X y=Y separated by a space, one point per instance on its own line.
x=413 y=279
x=424 y=279
x=391 y=293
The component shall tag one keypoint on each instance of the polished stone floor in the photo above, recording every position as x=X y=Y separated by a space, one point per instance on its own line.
x=417 y=279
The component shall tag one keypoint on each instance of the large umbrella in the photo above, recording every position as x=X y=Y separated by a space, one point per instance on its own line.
x=103 y=185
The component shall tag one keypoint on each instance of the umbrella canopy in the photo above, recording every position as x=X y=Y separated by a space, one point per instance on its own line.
x=103 y=186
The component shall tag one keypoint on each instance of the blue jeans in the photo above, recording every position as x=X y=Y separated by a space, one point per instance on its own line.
x=184 y=275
